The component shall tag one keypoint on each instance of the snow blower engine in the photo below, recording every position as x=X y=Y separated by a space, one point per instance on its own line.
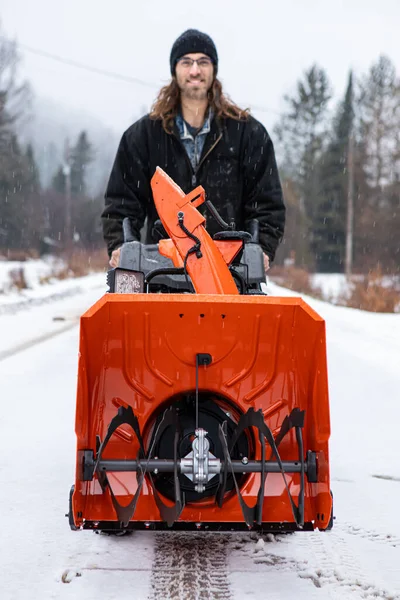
x=202 y=403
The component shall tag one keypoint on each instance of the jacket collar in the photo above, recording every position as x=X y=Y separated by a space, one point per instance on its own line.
x=183 y=131
x=217 y=128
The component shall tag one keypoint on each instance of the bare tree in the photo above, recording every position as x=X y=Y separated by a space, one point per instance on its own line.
x=19 y=202
x=379 y=107
x=14 y=94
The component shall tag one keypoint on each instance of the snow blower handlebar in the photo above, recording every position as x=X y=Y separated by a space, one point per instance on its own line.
x=202 y=260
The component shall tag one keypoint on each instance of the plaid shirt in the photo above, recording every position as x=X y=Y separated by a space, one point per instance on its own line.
x=193 y=145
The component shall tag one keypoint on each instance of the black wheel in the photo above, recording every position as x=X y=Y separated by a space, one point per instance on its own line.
x=70 y=515
x=330 y=524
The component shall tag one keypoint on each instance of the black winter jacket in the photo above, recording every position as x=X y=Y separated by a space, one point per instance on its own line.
x=237 y=170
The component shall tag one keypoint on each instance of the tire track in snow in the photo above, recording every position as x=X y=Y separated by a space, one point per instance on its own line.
x=325 y=558
x=371 y=535
x=265 y=550
x=190 y=565
x=337 y=569
x=37 y=340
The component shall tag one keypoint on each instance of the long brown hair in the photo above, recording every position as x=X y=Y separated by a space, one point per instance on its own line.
x=166 y=105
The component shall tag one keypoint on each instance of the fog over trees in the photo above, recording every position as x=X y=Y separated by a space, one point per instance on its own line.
x=339 y=164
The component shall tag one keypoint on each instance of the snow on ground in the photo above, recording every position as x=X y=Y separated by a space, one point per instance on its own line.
x=333 y=286
x=37 y=444
x=41 y=558
x=35 y=271
x=45 y=311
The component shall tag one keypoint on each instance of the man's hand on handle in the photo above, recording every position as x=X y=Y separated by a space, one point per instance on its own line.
x=114 y=260
x=266 y=262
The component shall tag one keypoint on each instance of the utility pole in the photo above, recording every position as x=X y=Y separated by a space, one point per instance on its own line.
x=67 y=175
x=350 y=207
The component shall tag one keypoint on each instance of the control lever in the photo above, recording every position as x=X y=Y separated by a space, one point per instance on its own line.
x=158 y=231
x=127 y=229
x=254 y=230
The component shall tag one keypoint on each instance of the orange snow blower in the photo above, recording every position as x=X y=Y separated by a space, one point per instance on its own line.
x=202 y=402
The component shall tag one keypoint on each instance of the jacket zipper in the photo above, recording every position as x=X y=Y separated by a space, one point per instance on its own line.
x=194 y=172
x=194 y=177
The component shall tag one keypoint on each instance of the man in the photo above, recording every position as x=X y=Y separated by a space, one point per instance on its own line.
x=198 y=137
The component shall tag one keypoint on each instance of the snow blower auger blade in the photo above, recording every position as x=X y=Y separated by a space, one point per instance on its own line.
x=202 y=403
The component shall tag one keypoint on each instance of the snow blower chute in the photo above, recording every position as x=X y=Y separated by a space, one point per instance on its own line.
x=202 y=402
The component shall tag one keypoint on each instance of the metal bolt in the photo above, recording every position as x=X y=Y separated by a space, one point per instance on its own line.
x=245 y=460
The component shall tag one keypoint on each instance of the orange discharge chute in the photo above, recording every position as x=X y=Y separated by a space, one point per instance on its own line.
x=201 y=410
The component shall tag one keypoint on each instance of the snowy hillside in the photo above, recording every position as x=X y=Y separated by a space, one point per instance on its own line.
x=42 y=559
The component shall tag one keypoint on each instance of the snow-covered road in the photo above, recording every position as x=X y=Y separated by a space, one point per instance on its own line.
x=41 y=558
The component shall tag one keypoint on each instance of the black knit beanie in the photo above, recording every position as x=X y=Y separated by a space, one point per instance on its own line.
x=193 y=40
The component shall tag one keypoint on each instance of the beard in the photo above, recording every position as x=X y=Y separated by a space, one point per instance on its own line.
x=194 y=93
x=196 y=90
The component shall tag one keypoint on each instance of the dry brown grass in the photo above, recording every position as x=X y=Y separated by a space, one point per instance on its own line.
x=17 y=279
x=295 y=279
x=18 y=255
x=373 y=292
x=82 y=262
x=79 y=264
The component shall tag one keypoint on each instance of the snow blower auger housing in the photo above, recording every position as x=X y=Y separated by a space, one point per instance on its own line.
x=202 y=403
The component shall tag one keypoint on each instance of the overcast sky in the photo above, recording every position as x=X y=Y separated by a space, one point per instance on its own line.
x=263 y=47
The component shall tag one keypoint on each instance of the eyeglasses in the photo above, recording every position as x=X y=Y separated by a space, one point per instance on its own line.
x=202 y=63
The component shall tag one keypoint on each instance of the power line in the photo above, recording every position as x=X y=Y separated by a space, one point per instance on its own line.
x=78 y=65
x=112 y=74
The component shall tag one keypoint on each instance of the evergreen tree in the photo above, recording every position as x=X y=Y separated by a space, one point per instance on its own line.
x=58 y=182
x=301 y=135
x=13 y=163
x=378 y=211
x=33 y=180
x=78 y=209
x=12 y=201
x=81 y=157
x=330 y=221
x=295 y=248
x=34 y=211
x=88 y=222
